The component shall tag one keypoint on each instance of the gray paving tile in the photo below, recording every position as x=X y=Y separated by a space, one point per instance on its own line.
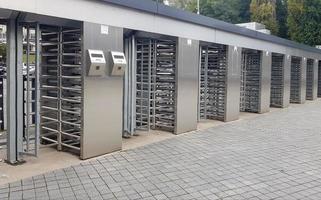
x=268 y=157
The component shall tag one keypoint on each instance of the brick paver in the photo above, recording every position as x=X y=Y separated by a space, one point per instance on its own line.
x=273 y=156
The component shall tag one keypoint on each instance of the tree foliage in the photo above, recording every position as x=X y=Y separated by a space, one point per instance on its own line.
x=281 y=17
x=299 y=20
x=264 y=11
x=304 y=21
x=233 y=11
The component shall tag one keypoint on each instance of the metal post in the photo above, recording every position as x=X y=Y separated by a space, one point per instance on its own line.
x=198 y=7
x=19 y=87
x=303 y=77
x=199 y=85
x=12 y=154
x=133 y=88
x=37 y=88
x=27 y=122
x=265 y=82
x=233 y=83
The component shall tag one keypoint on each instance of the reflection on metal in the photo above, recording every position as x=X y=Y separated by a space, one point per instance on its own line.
x=296 y=67
x=212 y=91
x=129 y=101
x=310 y=79
x=319 y=79
x=250 y=80
x=61 y=86
x=277 y=80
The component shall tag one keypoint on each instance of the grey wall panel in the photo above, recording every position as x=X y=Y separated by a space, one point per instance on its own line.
x=102 y=101
x=114 y=15
x=287 y=81
x=232 y=105
x=303 y=80
x=265 y=93
x=315 y=79
x=187 y=85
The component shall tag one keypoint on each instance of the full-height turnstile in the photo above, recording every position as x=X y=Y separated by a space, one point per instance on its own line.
x=298 y=73
x=151 y=95
x=277 y=80
x=61 y=87
x=310 y=79
x=250 y=80
x=212 y=82
x=30 y=85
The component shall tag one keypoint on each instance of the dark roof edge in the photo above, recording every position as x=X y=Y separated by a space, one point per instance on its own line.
x=181 y=15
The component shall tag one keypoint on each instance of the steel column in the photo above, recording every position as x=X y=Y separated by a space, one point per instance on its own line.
x=19 y=86
x=315 y=80
x=303 y=85
x=286 y=81
x=187 y=85
x=14 y=139
x=266 y=61
x=232 y=100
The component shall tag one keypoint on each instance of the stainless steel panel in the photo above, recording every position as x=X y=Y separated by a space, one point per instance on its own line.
x=303 y=80
x=315 y=79
x=232 y=109
x=265 y=93
x=19 y=88
x=319 y=79
x=286 y=81
x=187 y=85
x=102 y=101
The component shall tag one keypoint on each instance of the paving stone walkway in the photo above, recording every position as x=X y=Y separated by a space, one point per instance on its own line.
x=273 y=156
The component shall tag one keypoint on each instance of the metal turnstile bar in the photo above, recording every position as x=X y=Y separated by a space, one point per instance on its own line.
x=277 y=80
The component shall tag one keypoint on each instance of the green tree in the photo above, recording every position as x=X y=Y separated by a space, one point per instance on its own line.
x=159 y=1
x=304 y=17
x=264 y=11
x=233 y=11
x=281 y=16
x=245 y=14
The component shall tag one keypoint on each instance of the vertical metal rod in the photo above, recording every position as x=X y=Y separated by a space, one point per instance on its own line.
x=37 y=89
x=198 y=7
x=27 y=134
x=126 y=97
x=60 y=52
x=142 y=84
x=199 y=85
x=149 y=80
x=154 y=81
x=133 y=89
x=19 y=88
x=206 y=84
